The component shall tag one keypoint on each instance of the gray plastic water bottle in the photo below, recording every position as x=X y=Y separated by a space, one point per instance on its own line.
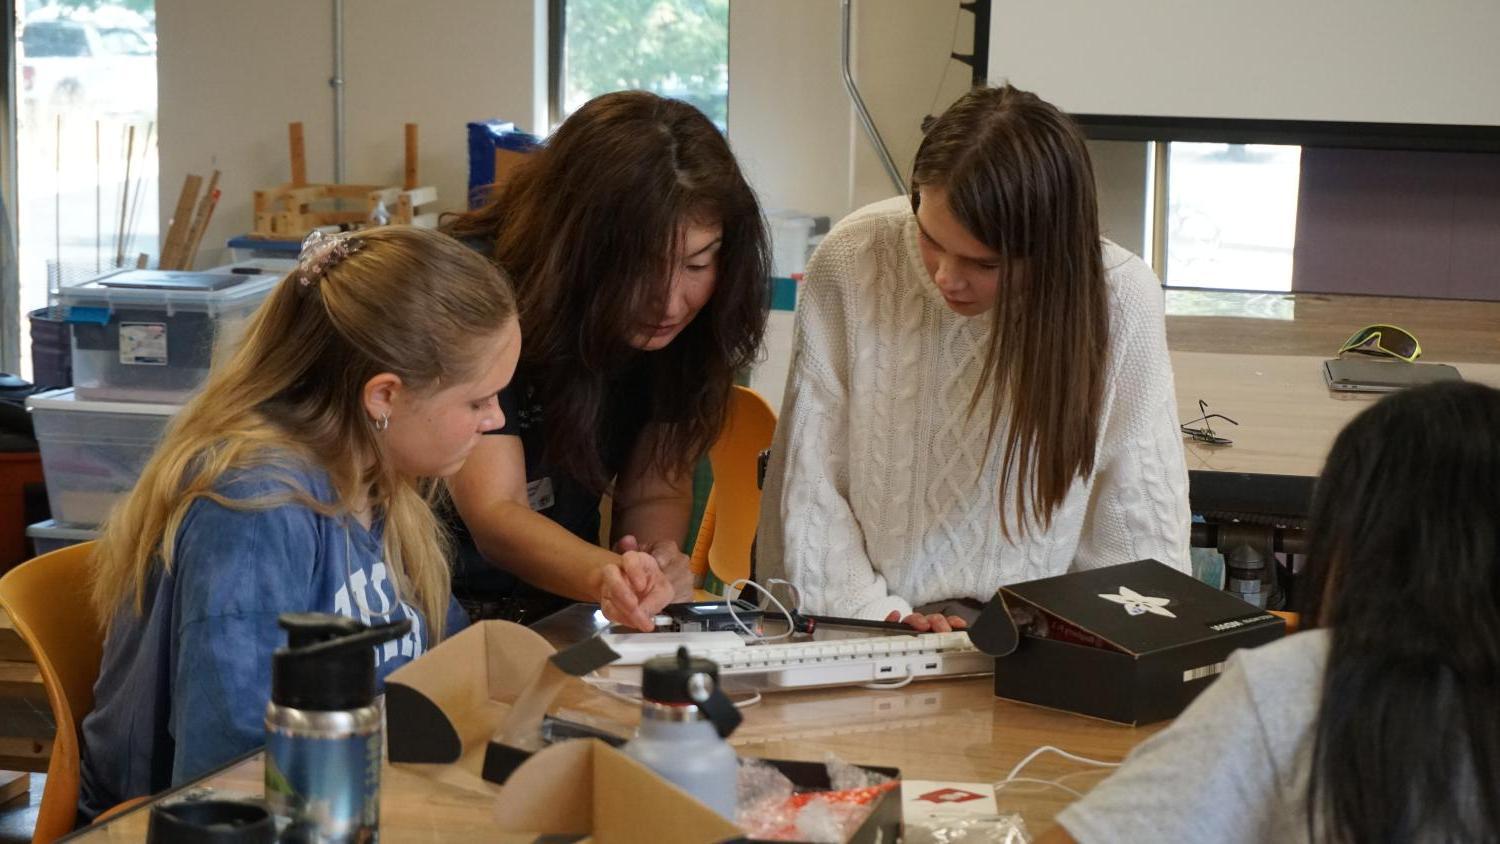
x=685 y=718
x=323 y=729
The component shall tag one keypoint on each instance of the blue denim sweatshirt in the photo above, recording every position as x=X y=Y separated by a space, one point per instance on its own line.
x=184 y=684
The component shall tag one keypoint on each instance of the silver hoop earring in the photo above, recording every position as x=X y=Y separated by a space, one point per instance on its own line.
x=385 y=422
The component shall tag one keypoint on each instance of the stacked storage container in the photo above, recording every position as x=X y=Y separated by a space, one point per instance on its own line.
x=142 y=343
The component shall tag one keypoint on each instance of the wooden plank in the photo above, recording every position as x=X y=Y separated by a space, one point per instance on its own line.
x=305 y=196
x=23 y=680
x=298 y=154
x=411 y=157
x=286 y=224
x=351 y=191
x=26 y=763
x=332 y=218
x=24 y=754
x=403 y=211
x=182 y=219
x=12 y=647
x=423 y=195
x=14 y=786
x=200 y=222
x=387 y=195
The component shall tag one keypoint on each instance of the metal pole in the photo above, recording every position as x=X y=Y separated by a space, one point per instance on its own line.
x=337 y=83
x=847 y=7
x=10 y=285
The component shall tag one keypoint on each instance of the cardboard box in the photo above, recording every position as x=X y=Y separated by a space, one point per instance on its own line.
x=476 y=702
x=581 y=788
x=1132 y=643
x=469 y=713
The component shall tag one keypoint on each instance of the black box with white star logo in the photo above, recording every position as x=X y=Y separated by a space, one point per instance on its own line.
x=1132 y=643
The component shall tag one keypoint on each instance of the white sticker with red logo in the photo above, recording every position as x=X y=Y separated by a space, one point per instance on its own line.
x=931 y=798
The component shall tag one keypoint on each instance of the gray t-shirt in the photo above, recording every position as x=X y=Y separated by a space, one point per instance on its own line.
x=1233 y=767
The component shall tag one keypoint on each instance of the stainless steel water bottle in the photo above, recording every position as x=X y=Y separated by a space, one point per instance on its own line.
x=324 y=729
x=685 y=718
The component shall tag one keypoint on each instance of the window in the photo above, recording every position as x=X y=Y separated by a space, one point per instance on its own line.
x=85 y=81
x=676 y=48
x=1231 y=215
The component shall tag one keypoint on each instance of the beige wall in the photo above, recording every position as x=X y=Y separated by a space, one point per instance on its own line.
x=233 y=75
x=792 y=125
x=904 y=73
x=225 y=101
x=789 y=119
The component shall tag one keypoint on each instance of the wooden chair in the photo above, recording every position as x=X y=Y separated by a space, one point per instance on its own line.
x=47 y=601
x=733 y=509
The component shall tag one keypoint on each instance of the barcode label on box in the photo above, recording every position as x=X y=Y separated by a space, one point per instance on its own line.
x=143 y=343
x=1199 y=673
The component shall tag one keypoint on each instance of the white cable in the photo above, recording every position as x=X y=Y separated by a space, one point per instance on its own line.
x=898 y=684
x=1047 y=748
x=1013 y=776
x=733 y=591
x=1036 y=781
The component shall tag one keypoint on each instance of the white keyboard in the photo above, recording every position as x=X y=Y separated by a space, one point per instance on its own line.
x=843 y=661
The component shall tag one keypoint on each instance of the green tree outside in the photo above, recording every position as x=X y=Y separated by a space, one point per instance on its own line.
x=676 y=48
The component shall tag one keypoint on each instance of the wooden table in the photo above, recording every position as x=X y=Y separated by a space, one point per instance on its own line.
x=953 y=730
x=1257 y=358
x=1287 y=416
x=1315 y=324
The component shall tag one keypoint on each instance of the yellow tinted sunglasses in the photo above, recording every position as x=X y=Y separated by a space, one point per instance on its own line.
x=1383 y=341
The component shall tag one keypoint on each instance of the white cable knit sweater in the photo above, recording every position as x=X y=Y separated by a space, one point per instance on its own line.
x=875 y=499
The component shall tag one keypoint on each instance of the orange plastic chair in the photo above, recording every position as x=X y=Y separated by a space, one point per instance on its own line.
x=47 y=601
x=733 y=508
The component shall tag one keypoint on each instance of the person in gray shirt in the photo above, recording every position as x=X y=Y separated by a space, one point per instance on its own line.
x=1382 y=722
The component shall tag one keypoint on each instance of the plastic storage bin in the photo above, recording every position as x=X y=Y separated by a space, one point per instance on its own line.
x=92 y=451
x=150 y=335
x=51 y=535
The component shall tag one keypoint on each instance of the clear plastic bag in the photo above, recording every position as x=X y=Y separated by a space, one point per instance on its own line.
x=968 y=829
x=771 y=808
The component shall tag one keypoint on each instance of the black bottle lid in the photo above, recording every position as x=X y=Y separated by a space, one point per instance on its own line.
x=684 y=680
x=667 y=679
x=212 y=821
x=327 y=664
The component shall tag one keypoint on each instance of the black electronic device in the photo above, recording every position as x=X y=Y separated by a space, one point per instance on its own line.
x=1357 y=375
x=708 y=616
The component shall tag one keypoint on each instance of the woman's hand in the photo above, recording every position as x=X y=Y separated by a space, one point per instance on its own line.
x=633 y=590
x=935 y=623
x=676 y=565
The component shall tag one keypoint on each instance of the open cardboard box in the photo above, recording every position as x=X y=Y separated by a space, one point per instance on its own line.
x=587 y=788
x=474 y=705
x=469 y=713
x=1131 y=643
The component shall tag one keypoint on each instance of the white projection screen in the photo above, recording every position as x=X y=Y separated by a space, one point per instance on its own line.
x=1419 y=73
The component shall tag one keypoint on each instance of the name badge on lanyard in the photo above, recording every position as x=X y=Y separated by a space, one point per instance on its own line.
x=539 y=494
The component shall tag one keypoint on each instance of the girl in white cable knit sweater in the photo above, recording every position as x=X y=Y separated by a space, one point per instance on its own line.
x=980 y=390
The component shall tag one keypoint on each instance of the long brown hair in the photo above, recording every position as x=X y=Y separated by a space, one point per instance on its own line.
x=1017 y=175
x=411 y=302
x=587 y=227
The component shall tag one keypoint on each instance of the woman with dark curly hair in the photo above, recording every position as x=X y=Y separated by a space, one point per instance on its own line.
x=640 y=260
